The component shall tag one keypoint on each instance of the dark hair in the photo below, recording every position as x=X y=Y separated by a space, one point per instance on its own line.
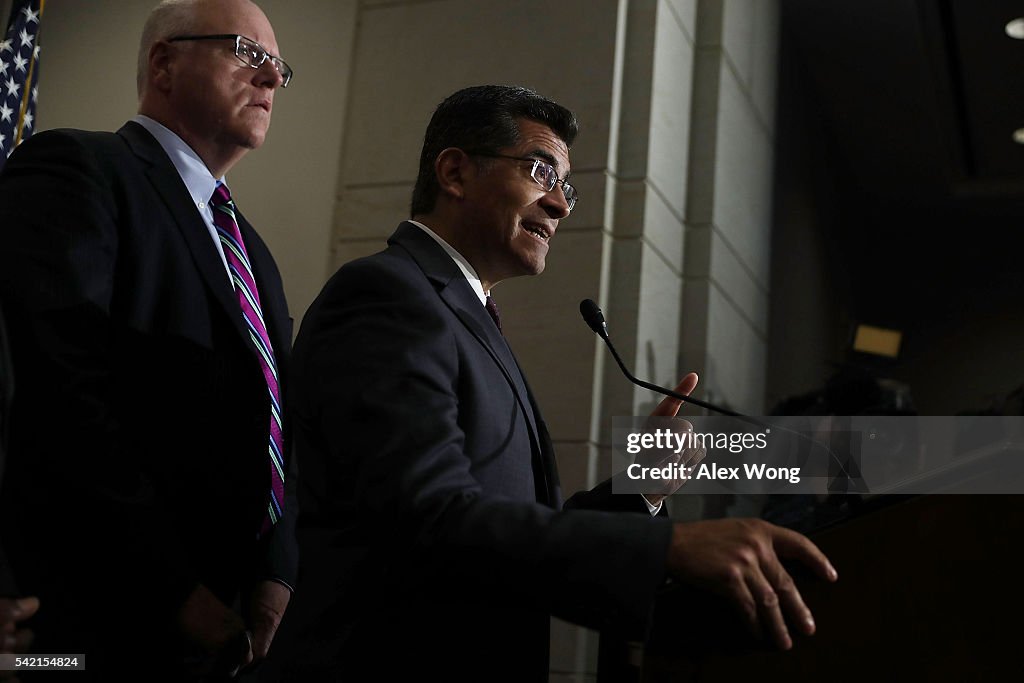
x=483 y=119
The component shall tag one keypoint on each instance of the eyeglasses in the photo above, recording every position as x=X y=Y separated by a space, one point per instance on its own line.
x=543 y=173
x=249 y=52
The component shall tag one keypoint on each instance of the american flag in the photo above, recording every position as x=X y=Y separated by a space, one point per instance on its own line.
x=19 y=75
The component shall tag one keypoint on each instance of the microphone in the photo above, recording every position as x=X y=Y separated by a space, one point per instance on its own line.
x=593 y=316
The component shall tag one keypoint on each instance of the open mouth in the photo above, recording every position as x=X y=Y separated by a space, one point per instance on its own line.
x=541 y=232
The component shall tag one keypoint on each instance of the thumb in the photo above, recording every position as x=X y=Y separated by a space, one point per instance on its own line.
x=17 y=610
x=670 y=406
x=26 y=607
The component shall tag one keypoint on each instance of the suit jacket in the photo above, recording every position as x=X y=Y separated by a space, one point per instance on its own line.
x=432 y=536
x=138 y=460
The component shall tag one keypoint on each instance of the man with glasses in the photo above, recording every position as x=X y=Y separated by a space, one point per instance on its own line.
x=433 y=539
x=143 y=500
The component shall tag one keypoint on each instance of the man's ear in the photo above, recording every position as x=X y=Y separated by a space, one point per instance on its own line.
x=160 y=61
x=452 y=168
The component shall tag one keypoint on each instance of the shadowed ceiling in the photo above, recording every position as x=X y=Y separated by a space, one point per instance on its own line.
x=913 y=105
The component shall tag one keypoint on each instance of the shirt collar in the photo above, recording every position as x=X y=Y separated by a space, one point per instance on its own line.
x=460 y=261
x=198 y=180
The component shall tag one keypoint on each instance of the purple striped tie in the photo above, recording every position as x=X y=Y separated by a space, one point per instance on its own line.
x=249 y=299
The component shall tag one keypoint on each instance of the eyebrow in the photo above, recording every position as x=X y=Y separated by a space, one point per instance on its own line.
x=548 y=157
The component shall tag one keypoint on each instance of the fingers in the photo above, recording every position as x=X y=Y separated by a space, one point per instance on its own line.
x=22 y=640
x=15 y=639
x=267 y=605
x=694 y=456
x=255 y=650
x=745 y=602
x=26 y=608
x=768 y=611
x=780 y=603
x=765 y=594
x=262 y=635
x=18 y=609
x=741 y=559
x=790 y=544
x=670 y=406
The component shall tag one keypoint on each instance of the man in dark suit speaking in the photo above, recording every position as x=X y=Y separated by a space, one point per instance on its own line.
x=150 y=337
x=433 y=536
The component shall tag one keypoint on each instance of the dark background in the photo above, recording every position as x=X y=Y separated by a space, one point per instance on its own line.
x=900 y=197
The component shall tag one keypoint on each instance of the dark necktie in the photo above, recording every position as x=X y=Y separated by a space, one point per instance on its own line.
x=249 y=299
x=492 y=308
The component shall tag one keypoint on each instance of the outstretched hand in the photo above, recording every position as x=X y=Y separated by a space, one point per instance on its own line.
x=740 y=559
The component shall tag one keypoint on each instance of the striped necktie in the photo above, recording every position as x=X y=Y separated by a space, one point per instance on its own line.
x=249 y=298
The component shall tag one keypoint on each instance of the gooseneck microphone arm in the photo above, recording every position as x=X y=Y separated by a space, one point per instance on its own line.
x=595 y=319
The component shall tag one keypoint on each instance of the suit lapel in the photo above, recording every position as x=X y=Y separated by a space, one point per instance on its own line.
x=169 y=186
x=546 y=464
x=463 y=302
x=476 y=319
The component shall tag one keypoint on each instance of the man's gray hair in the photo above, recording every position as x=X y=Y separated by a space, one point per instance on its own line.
x=169 y=18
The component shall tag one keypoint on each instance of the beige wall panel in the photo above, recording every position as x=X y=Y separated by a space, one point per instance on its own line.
x=670 y=111
x=743 y=179
x=657 y=352
x=630 y=208
x=685 y=12
x=640 y=210
x=736 y=282
x=738 y=29
x=701 y=181
x=694 y=337
x=631 y=106
x=409 y=56
x=736 y=356
x=350 y=250
x=764 y=75
x=365 y=212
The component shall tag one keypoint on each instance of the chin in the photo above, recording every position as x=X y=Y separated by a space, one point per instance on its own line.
x=535 y=268
x=254 y=141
